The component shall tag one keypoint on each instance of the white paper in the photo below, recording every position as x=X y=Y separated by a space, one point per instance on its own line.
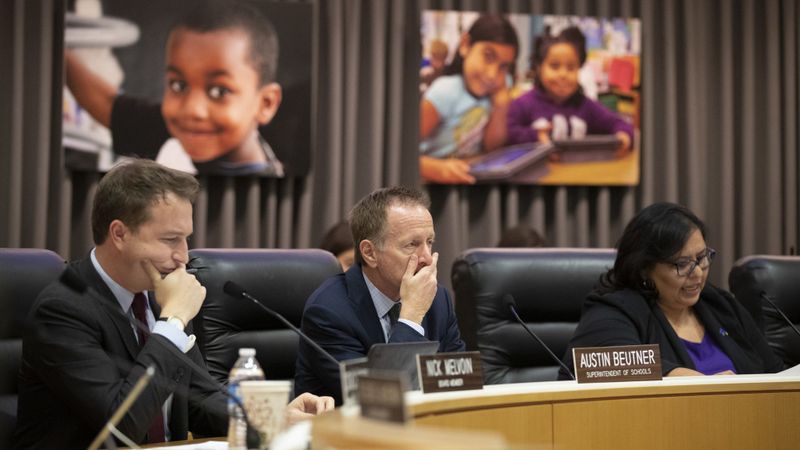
x=207 y=445
x=791 y=371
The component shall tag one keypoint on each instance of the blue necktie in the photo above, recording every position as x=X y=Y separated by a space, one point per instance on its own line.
x=394 y=314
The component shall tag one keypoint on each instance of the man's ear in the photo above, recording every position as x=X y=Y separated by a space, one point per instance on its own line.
x=271 y=95
x=118 y=233
x=367 y=249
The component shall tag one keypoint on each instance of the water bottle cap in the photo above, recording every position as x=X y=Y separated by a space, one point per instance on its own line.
x=247 y=352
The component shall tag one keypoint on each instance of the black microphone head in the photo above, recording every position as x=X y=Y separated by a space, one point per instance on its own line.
x=233 y=289
x=73 y=281
x=508 y=301
x=766 y=297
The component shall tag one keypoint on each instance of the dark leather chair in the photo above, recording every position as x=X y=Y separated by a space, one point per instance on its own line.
x=281 y=279
x=548 y=285
x=25 y=272
x=779 y=278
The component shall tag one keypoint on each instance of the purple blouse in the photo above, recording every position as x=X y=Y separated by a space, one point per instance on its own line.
x=708 y=357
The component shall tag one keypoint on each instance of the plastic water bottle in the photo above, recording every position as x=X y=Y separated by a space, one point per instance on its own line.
x=245 y=368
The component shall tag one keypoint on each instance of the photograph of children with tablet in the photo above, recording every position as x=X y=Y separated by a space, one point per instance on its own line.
x=539 y=100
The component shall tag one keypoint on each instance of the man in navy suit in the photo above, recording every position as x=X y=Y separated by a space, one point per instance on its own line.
x=390 y=295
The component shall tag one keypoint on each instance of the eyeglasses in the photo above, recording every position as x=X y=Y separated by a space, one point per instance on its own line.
x=685 y=267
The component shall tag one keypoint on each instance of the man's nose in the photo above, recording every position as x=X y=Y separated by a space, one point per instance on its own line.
x=181 y=254
x=425 y=255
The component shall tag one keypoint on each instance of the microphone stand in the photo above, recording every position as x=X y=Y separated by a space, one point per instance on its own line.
x=122 y=409
x=509 y=300
x=236 y=291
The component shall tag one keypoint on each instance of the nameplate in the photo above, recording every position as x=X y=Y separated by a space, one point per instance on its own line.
x=444 y=372
x=349 y=371
x=381 y=396
x=621 y=363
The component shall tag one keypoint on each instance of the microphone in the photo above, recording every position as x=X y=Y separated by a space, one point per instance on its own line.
x=234 y=290
x=73 y=280
x=508 y=301
x=769 y=300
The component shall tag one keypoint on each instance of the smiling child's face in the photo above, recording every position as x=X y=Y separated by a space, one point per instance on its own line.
x=214 y=100
x=486 y=66
x=559 y=71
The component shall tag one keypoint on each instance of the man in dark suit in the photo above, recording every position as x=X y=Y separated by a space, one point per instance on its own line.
x=83 y=352
x=390 y=295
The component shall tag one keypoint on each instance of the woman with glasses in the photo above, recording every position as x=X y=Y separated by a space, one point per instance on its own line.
x=656 y=293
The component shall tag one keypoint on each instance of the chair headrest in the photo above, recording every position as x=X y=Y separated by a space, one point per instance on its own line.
x=281 y=280
x=548 y=285
x=776 y=276
x=26 y=271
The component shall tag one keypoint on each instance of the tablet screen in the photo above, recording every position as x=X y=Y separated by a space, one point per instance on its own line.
x=500 y=158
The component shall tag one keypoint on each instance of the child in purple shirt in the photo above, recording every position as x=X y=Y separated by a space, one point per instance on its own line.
x=556 y=108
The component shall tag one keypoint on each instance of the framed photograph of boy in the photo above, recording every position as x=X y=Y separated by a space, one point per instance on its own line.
x=212 y=87
x=529 y=99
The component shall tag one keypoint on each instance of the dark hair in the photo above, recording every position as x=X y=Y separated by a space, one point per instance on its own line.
x=129 y=189
x=521 y=236
x=214 y=15
x=542 y=44
x=656 y=234
x=338 y=238
x=490 y=28
x=368 y=217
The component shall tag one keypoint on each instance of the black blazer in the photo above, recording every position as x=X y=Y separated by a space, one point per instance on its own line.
x=625 y=318
x=79 y=361
x=341 y=317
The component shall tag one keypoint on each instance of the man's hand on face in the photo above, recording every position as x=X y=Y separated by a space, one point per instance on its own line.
x=178 y=293
x=417 y=290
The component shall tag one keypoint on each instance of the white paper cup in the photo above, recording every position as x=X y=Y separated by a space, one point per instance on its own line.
x=265 y=403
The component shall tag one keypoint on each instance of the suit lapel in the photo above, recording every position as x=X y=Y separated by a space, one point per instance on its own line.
x=720 y=335
x=363 y=306
x=672 y=338
x=110 y=306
